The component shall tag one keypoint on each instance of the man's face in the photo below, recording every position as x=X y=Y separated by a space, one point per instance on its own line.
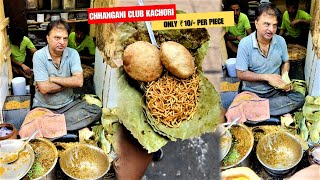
x=292 y=11
x=236 y=9
x=57 y=39
x=266 y=26
x=80 y=36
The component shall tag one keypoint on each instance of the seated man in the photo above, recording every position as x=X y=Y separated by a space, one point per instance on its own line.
x=57 y=70
x=261 y=60
x=21 y=65
x=240 y=30
x=294 y=21
x=80 y=41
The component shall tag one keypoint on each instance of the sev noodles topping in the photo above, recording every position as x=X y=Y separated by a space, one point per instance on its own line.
x=172 y=100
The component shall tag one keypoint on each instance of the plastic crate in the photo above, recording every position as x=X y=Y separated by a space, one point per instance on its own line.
x=16 y=116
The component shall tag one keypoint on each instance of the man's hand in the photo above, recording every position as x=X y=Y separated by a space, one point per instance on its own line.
x=295 y=23
x=239 y=38
x=275 y=80
x=26 y=69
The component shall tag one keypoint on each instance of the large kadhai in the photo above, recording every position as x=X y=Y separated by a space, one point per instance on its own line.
x=131 y=101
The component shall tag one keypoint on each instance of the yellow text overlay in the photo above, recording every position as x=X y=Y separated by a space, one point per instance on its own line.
x=196 y=20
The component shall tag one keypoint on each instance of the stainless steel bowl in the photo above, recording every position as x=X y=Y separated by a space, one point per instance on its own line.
x=279 y=152
x=84 y=161
x=54 y=152
x=245 y=160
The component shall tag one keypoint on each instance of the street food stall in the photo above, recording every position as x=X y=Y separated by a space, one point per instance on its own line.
x=172 y=106
x=279 y=147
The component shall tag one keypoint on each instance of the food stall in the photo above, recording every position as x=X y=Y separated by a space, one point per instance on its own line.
x=284 y=145
x=124 y=101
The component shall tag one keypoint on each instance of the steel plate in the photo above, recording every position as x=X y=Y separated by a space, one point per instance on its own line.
x=19 y=168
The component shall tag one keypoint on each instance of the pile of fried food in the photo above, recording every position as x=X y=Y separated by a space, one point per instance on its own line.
x=172 y=86
x=296 y=52
x=13 y=104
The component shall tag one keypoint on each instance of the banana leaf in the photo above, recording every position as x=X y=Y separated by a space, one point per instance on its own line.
x=299 y=86
x=131 y=106
x=311 y=112
x=129 y=101
x=205 y=119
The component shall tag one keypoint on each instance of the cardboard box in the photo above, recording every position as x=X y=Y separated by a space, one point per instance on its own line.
x=16 y=116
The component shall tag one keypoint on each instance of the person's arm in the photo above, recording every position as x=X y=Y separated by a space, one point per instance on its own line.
x=30 y=45
x=281 y=32
x=274 y=80
x=57 y=84
x=285 y=67
x=32 y=51
x=75 y=81
x=231 y=37
x=249 y=31
x=24 y=67
x=247 y=25
x=304 y=19
x=46 y=87
x=300 y=22
x=311 y=172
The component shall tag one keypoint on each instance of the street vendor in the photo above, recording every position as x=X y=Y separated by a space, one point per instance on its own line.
x=57 y=71
x=21 y=64
x=294 y=21
x=240 y=29
x=80 y=41
x=261 y=60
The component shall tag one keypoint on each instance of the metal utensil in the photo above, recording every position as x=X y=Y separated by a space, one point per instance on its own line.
x=229 y=126
x=12 y=157
x=151 y=35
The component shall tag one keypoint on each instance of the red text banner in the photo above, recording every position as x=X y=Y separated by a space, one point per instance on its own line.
x=131 y=14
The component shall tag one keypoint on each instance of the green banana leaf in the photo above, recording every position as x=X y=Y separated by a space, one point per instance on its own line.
x=129 y=101
x=311 y=112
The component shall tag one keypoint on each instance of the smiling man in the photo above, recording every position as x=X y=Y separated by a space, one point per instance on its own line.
x=57 y=70
x=261 y=60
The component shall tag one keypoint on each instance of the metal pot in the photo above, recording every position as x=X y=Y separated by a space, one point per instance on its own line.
x=246 y=159
x=50 y=174
x=12 y=135
x=279 y=152
x=84 y=161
